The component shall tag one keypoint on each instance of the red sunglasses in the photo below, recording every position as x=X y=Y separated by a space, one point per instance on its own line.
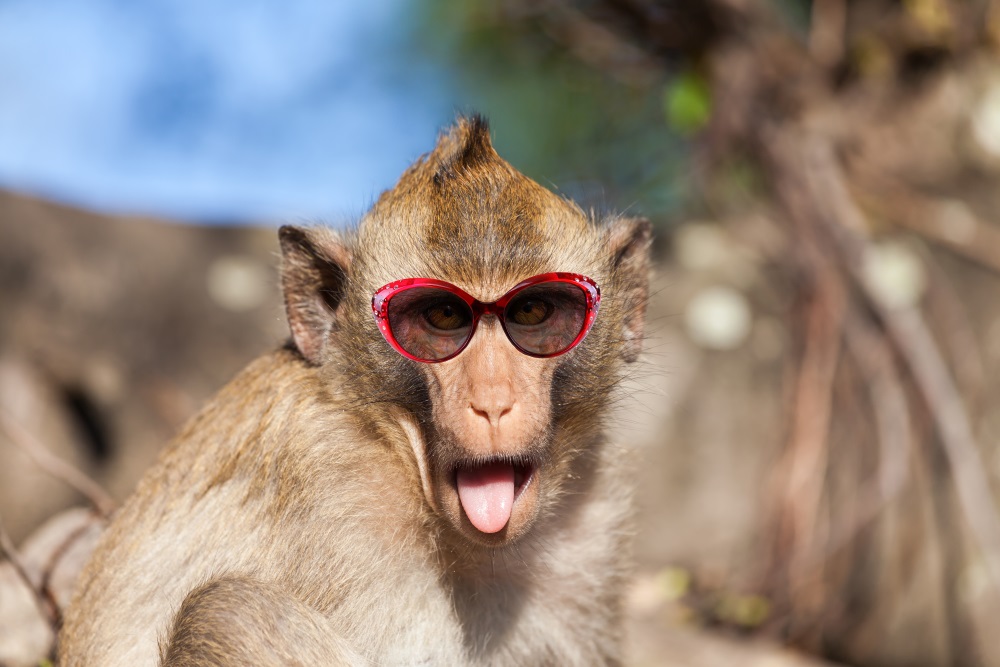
x=430 y=320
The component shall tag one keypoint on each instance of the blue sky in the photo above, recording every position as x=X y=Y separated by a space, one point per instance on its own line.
x=213 y=110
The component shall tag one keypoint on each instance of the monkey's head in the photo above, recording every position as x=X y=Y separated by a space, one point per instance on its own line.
x=482 y=316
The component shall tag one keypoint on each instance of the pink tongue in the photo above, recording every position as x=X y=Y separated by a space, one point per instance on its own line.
x=487 y=494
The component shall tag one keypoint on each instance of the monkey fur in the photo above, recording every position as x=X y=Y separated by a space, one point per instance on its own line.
x=308 y=515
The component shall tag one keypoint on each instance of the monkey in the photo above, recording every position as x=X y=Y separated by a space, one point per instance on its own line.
x=423 y=474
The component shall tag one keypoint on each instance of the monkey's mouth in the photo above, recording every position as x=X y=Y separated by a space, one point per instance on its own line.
x=489 y=489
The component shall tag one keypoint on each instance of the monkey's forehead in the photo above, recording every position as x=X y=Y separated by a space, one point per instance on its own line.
x=486 y=256
x=464 y=215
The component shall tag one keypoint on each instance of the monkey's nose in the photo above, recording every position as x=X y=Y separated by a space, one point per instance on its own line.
x=491 y=410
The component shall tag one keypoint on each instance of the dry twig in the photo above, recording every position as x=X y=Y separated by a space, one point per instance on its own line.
x=55 y=466
x=8 y=551
x=913 y=339
x=826 y=38
x=945 y=222
x=892 y=419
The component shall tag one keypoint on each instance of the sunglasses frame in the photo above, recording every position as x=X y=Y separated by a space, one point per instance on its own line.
x=382 y=297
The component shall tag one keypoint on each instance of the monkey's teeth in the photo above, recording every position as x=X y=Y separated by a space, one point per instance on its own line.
x=487 y=495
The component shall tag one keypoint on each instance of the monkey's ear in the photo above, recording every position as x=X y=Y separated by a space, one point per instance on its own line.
x=629 y=240
x=314 y=265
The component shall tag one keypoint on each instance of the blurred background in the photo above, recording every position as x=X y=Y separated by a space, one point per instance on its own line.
x=817 y=414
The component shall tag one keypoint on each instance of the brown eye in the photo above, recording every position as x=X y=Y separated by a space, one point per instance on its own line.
x=531 y=312
x=445 y=316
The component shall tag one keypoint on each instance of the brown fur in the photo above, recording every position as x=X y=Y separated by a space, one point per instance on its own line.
x=307 y=516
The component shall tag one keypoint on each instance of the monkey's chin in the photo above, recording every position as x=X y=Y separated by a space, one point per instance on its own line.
x=491 y=502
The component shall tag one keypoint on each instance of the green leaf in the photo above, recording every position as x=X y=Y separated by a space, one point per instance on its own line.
x=688 y=103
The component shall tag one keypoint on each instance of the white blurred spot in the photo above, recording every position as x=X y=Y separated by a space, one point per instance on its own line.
x=105 y=380
x=986 y=121
x=956 y=221
x=701 y=247
x=238 y=283
x=895 y=275
x=718 y=318
x=644 y=596
x=974 y=581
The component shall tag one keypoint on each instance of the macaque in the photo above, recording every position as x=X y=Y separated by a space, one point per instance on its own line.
x=421 y=476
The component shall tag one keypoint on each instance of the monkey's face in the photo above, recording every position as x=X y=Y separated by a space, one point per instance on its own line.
x=494 y=430
x=487 y=369
x=490 y=436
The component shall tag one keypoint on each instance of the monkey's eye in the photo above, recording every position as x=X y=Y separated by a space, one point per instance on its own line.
x=446 y=316
x=530 y=312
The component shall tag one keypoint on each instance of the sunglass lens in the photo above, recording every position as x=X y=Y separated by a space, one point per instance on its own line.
x=429 y=323
x=546 y=318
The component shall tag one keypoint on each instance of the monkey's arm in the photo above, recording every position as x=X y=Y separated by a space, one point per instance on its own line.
x=238 y=621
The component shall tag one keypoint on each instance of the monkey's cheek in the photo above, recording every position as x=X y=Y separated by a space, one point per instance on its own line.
x=526 y=504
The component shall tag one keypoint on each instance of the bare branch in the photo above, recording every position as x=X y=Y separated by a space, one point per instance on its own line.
x=948 y=223
x=826 y=36
x=912 y=337
x=8 y=551
x=55 y=466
